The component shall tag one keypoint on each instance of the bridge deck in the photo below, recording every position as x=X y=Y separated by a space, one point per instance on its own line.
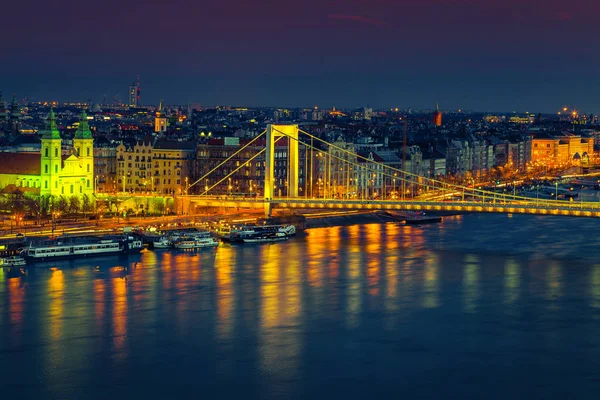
x=536 y=207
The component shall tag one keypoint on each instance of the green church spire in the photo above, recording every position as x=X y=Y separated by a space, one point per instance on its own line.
x=83 y=131
x=51 y=131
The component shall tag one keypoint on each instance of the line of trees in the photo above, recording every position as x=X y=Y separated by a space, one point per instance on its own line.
x=38 y=207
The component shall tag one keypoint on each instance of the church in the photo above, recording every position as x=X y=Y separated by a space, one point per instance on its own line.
x=51 y=173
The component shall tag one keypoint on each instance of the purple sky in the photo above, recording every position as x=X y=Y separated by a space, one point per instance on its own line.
x=504 y=55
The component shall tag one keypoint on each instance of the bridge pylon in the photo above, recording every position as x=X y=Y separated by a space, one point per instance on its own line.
x=273 y=133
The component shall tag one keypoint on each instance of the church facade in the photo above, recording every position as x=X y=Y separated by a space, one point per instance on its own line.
x=51 y=173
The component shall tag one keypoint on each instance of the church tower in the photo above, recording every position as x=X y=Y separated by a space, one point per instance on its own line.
x=51 y=160
x=84 y=150
x=160 y=121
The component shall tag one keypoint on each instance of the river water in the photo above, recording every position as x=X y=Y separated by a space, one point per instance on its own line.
x=480 y=306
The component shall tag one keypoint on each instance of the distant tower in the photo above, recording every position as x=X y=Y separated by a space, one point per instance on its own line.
x=51 y=160
x=134 y=93
x=3 y=116
x=160 y=121
x=15 y=115
x=436 y=118
x=84 y=150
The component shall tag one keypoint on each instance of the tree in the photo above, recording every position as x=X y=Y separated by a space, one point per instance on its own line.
x=74 y=205
x=33 y=205
x=62 y=205
x=86 y=205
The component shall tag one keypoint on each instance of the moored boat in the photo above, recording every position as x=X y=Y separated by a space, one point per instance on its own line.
x=265 y=237
x=82 y=247
x=13 y=261
x=259 y=232
x=162 y=243
x=196 y=242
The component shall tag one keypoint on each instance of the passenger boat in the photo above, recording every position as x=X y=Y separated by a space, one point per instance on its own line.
x=267 y=231
x=82 y=247
x=264 y=237
x=162 y=243
x=13 y=261
x=196 y=241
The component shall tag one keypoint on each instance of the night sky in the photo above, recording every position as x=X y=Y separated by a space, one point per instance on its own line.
x=496 y=55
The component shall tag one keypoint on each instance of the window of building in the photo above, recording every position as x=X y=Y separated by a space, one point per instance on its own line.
x=169 y=181
x=87 y=151
x=71 y=189
x=46 y=152
x=45 y=184
x=78 y=151
x=56 y=185
x=178 y=172
x=88 y=168
x=56 y=169
x=56 y=152
x=45 y=169
x=80 y=189
x=178 y=182
x=62 y=190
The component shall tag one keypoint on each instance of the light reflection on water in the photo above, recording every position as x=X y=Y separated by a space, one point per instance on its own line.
x=397 y=302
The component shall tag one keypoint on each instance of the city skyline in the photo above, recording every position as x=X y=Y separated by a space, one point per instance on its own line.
x=512 y=56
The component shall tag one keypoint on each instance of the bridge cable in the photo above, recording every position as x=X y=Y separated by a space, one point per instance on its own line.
x=227 y=159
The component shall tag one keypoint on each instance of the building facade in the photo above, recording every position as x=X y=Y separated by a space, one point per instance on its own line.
x=51 y=173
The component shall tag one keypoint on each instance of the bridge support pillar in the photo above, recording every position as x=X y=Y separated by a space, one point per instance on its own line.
x=270 y=188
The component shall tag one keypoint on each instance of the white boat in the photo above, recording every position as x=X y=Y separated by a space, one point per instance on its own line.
x=265 y=237
x=196 y=242
x=79 y=249
x=162 y=243
x=260 y=233
x=13 y=261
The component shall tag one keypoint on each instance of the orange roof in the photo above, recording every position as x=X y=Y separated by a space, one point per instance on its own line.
x=20 y=163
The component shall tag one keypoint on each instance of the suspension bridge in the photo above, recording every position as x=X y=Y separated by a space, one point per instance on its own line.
x=315 y=174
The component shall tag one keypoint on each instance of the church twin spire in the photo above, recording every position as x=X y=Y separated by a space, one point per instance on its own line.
x=83 y=131
x=51 y=131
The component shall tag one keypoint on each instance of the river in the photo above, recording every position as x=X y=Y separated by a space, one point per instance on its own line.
x=480 y=306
